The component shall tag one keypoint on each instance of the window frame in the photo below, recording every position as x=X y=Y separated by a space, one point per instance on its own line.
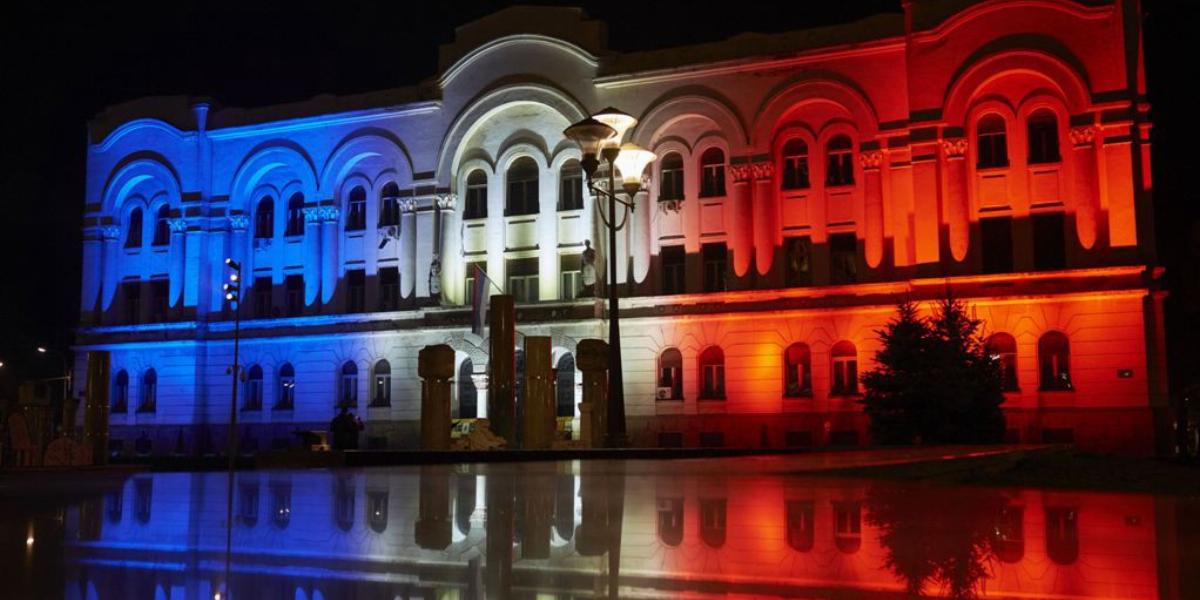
x=712 y=374
x=671 y=373
x=794 y=172
x=523 y=176
x=839 y=161
x=712 y=173
x=356 y=209
x=381 y=384
x=844 y=375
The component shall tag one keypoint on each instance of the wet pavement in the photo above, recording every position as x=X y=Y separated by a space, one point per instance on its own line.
x=729 y=527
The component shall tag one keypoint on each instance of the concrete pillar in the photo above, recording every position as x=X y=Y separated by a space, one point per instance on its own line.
x=312 y=256
x=1087 y=209
x=873 y=191
x=408 y=247
x=95 y=424
x=958 y=211
x=448 y=243
x=767 y=234
x=591 y=356
x=330 y=269
x=178 y=274
x=502 y=325
x=481 y=394
x=435 y=365
x=539 y=394
x=432 y=529
x=642 y=236
x=740 y=217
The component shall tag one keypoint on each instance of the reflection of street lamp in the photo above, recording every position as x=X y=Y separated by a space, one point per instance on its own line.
x=601 y=135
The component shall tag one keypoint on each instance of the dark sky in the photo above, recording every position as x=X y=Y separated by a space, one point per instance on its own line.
x=59 y=67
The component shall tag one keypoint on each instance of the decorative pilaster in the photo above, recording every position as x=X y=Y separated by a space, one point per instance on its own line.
x=448 y=244
x=312 y=255
x=330 y=246
x=110 y=240
x=408 y=247
x=767 y=234
x=958 y=212
x=871 y=162
x=178 y=275
x=1086 y=200
x=740 y=217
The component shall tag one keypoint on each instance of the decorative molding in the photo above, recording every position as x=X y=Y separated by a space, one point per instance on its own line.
x=762 y=170
x=177 y=225
x=1082 y=136
x=670 y=206
x=740 y=173
x=871 y=160
x=329 y=213
x=407 y=205
x=312 y=215
x=110 y=232
x=954 y=147
x=446 y=201
x=239 y=222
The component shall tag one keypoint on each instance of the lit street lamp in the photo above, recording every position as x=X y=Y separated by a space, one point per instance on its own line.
x=599 y=137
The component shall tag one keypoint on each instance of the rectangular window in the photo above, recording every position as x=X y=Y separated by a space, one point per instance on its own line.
x=476 y=201
x=262 y=297
x=673 y=270
x=997 y=246
x=570 y=280
x=843 y=258
x=716 y=263
x=1049 y=245
x=845 y=376
x=671 y=186
x=570 y=191
x=839 y=169
x=389 y=211
x=993 y=149
x=712 y=180
x=356 y=285
x=523 y=279
x=389 y=288
x=159 y=300
x=295 y=295
x=132 y=291
x=798 y=270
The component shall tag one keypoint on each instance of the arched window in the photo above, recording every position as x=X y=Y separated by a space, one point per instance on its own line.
x=797 y=371
x=847 y=526
x=348 y=389
x=381 y=388
x=522 y=198
x=800 y=529
x=120 y=393
x=468 y=397
x=389 y=205
x=712 y=522
x=1042 y=128
x=839 y=161
x=162 y=230
x=845 y=369
x=253 y=389
x=149 y=398
x=281 y=504
x=570 y=186
x=670 y=521
x=133 y=229
x=343 y=503
x=712 y=173
x=712 y=374
x=1054 y=362
x=671 y=175
x=1002 y=347
x=356 y=210
x=992 y=140
x=1062 y=534
x=286 y=400
x=1008 y=538
x=670 y=375
x=795 y=165
x=295 y=215
x=264 y=219
x=377 y=511
x=564 y=386
x=476 y=196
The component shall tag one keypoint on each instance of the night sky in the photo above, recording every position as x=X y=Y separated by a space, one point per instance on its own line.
x=61 y=67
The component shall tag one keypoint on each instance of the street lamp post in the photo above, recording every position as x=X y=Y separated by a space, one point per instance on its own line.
x=233 y=294
x=600 y=135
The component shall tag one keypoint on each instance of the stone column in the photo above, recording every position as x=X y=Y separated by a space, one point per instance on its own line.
x=958 y=209
x=330 y=236
x=312 y=256
x=178 y=274
x=481 y=394
x=432 y=529
x=502 y=330
x=766 y=215
x=642 y=236
x=435 y=365
x=873 y=193
x=539 y=394
x=408 y=247
x=448 y=256
x=739 y=214
x=95 y=423
x=110 y=236
x=1083 y=145
x=591 y=356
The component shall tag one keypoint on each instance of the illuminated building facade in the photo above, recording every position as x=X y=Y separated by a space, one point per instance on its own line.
x=804 y=182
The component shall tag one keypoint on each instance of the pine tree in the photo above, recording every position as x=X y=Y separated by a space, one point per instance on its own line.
x=894 y=389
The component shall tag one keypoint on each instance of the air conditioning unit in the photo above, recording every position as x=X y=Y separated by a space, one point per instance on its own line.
x=663 y=393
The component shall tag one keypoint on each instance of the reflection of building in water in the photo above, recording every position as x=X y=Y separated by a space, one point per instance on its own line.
x=450 y=532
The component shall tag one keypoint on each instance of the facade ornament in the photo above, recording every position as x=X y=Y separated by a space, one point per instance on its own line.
x=871 y=160
x=446 y=201
x=328 y=213
x=408 y=205
x=1082 y=136
x=239 y=222
x=762 y=170
x=740 y=173
x=110 y=232
x=954 y=147
x=177 y=225
x=312 y=214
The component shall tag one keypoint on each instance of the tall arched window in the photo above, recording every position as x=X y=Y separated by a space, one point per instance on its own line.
x=253 y=389
x=839 y=161
x=468 y=396
x=670 y=375
x=149 y=400
x=133 y=229
x=847 y=526
x=295 y=215
x=795 y=165
x=670 y=186
x=564 y=386
x=845 y=369
x=381 y=388
x=1008 y=537
x=264 y=219
x=712 y=374
x=162 y=229
x=1062 y=534
x=712 y=522
x=377 y=510
x=475 y=204
x=992 y=140
x=800 y=528
x=712 y=173
x=1042 y=129
x=797 y=371
x=356 y=210
x=522 y=178
x=1002 y=347
x=120 y=393
x=670 y=521
x=389 y=205
x=281 y=503
x=570 y=186
x=348 y=388
x=343 y=503
x=1054 y=362
x=286 y=400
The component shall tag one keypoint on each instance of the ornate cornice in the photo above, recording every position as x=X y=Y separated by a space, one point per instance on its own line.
x=177 y=225
x=318 y=214
x=110 y=232
x=239 y=222
x=871 y=160
x=762 y=170
x=408 y=205
x=954 y=147
x=446 y=201
x=1082 y=136
x=740 y=173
